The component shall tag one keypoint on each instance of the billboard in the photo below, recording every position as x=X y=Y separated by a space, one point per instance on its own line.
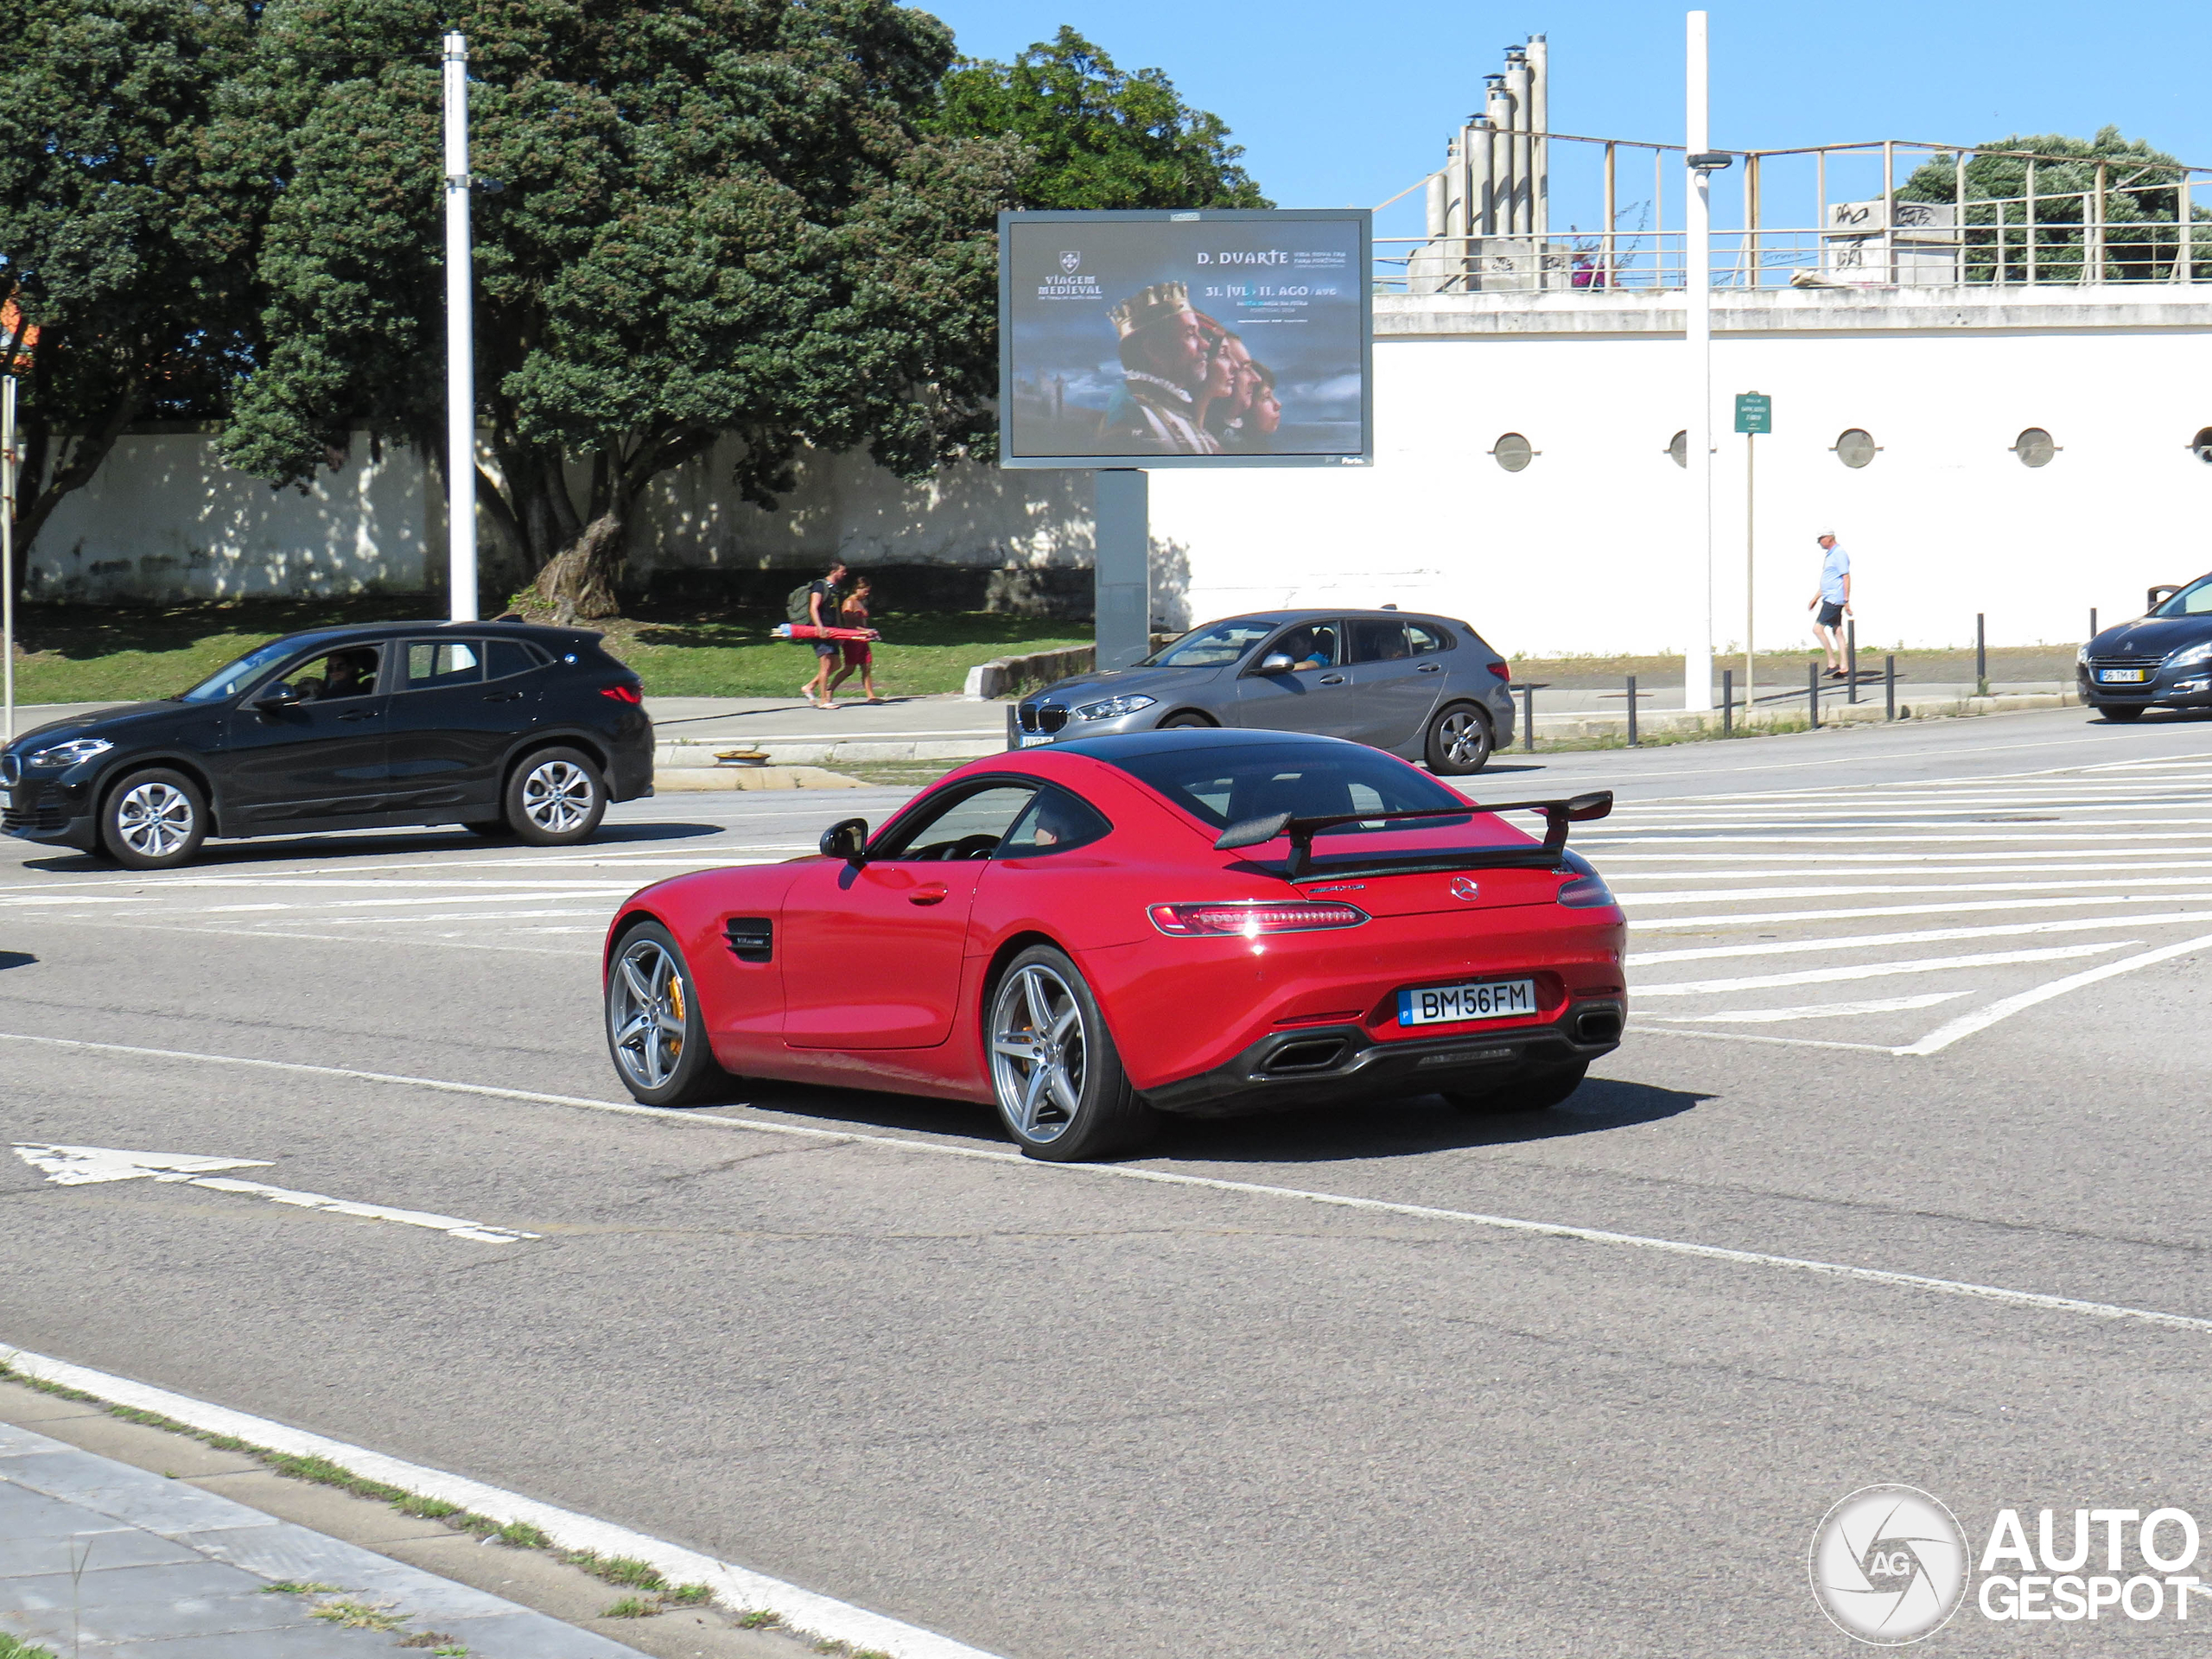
x=1235 y=338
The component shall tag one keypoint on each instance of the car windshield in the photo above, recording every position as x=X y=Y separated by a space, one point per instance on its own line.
x=1212 y=646
x=2196 y=600
x=1221 y=784
x=229 y=682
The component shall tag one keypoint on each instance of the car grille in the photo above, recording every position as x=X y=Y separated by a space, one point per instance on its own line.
x=48 y=814
x=1046 y=717
x=2141 y=688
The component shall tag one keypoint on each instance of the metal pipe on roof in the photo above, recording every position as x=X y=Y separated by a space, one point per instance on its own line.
x=1518 y=87
x=1497 y=216
x=1540 y=123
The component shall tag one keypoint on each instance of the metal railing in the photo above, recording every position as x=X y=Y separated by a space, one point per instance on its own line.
x=1927 y=217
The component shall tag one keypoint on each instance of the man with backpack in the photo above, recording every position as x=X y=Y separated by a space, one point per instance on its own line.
x=814 y=605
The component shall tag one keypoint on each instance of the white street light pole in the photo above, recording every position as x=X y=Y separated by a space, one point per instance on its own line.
x=8 y=547
x=1697 y=305
x=460 y=357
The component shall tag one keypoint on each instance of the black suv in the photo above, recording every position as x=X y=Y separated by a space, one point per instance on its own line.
x=502 y=726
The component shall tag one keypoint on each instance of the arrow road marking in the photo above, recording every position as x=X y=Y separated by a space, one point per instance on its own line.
x=87 y=1165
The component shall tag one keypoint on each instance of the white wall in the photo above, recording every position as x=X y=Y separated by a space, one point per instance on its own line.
x=1589 y=550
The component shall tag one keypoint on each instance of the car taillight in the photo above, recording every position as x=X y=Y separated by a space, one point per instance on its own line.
x=629 y=694
x=1503 y=670
x=1588 y=891
x=1250 y=919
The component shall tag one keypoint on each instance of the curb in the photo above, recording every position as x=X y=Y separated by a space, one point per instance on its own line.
x=673 y=757
x=708 y=779
x=1773 y=715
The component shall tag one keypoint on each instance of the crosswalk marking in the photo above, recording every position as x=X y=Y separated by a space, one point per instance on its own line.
x=1926 y=936
x=1816 y=1011
x=1879 y=970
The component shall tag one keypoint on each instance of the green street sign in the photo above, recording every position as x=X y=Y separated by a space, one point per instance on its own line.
x=1754 y=412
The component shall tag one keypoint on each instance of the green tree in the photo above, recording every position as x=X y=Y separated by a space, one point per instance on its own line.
x=1101 y=138
x=126 y=238
x=717 y=216
x=2141 y=205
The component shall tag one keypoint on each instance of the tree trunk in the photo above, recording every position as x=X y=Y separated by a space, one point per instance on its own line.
x=577 y=584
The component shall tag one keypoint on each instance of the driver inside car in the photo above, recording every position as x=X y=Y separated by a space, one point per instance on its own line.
x=1311 y=648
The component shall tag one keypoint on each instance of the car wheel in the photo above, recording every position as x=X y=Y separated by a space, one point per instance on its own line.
x=656 y=1030
x=1459 y=741
x=555 y=796
x=2121 y=710
x=1533 y=1090
x=1186 y=719
x=1059 y=1081
x=153 y=820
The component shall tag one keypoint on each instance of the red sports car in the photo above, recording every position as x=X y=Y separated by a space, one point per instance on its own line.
x=1090 y=934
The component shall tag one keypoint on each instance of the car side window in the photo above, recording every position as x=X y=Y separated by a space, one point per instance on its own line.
x=1055 y=823
x=432 y=665
x=505 y=656
x=1424 y=639
x=1377 y=641
x=335 y=676
x=969 y=826
x=1312 y=645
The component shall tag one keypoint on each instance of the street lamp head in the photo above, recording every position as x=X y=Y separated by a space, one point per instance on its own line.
x=1710 y=161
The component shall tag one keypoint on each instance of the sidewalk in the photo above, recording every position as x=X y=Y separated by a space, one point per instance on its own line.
x=688 y=731
x=98 y=1557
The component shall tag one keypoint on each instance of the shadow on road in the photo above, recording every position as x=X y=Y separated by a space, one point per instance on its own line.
x=15 y=959
x=376 y=843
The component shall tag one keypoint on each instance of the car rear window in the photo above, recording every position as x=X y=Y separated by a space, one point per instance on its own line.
x=1221 y=785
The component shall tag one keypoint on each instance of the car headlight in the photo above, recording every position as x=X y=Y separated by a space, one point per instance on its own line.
x=2082 y=657
x=2191 y=657
x=1115 y=708
x=69 y=753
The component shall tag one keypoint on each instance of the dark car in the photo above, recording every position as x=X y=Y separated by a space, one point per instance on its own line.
x=2163 y=660
x=1425 y=687
x=502 y=726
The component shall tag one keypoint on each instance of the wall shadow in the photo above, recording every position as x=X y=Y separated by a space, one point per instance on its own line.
x=15 y=959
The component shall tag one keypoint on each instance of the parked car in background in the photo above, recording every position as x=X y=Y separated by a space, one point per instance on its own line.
x=502 y=726
x=2163 y=660
x=1423 y=687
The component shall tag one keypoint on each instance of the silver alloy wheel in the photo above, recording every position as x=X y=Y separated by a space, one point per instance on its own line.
x=154 y=819
x=646 y=1013
x=557 y=796
x=1460 y=737
x=1040 y=1053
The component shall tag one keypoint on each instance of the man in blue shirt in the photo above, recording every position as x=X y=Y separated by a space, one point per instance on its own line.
x=1833 y=602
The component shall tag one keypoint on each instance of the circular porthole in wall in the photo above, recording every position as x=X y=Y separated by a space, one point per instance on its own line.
x=2034 y=447
x=1679 y=448
x=1856 y=448
x=1512 y=452
x=2202 y=444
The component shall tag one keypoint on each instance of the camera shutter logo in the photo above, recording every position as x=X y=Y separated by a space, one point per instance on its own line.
x=1071 y=262
x=1889 y=1565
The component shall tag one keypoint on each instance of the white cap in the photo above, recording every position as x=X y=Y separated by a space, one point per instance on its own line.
x=1825 y=532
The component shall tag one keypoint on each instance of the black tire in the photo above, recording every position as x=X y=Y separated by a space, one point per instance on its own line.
x=2121 y=710
x=1534 y=1089
x=656 y=1030
x=490 y=829
x=1458 y=741
x=555 y=797
x=153 y=820
x=1079 y=1058
x=1186 y=719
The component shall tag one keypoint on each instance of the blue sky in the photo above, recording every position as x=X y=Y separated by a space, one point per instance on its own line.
x=1341 y=105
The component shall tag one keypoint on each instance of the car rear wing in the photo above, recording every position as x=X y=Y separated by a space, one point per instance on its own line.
x=1558 y=814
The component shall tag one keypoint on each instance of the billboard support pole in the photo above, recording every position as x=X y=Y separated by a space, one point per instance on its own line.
x=1697 y=282
x=460 y=353
x=1122 y=567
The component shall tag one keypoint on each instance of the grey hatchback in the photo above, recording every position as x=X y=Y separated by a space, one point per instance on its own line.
x=1425 y=687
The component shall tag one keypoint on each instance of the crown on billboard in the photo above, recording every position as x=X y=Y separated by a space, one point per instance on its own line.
x=1148 y=306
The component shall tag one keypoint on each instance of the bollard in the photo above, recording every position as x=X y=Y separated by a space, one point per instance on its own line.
x=1528 y=711
x=1889 y=687
x=1851 y=660
x=2093 y=621
x=1631 y=711
x=1980 y=657
x=1727 y=701
x=1813 y=694
x=1013 y=726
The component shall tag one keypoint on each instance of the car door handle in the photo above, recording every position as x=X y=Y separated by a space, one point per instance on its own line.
x=1332 y=679
x=503 y=697
x=365 y=713
x=928 y=895
x=1430 y=668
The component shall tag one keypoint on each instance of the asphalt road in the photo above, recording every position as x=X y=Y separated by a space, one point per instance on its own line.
x=1068 y=1412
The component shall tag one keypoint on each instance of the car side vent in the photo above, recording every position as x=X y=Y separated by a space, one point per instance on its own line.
x=752 y=938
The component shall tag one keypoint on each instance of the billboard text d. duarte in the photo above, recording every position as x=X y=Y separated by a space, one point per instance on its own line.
x=1891 y=1565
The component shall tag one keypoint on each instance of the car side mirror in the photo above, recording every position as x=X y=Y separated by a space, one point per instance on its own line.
x=847 y=840
x=1276 y=662
x=279 y=695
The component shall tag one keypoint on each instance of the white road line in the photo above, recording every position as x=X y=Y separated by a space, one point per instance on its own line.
x=1847 y=890
x=1926 y=936
x=1966 y=1024
x=1813 y=1010
x=1995 y=1294
x=1933 y=865
x=1873 y=970
x=735 y=1587
x=449 y=916
x=1773 y=917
